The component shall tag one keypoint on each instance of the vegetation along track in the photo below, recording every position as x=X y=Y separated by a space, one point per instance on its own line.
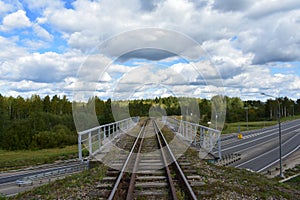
x=150 y=171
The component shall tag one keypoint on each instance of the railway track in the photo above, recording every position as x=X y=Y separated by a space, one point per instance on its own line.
x=150 y=170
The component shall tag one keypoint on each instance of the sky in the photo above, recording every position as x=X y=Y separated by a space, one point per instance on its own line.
x=133 y=49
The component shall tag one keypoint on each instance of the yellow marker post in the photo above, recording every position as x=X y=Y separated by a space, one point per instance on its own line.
x=240 y=136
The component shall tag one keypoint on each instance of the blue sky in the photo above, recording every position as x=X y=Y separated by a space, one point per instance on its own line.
x=286 y=68
x=254 y=46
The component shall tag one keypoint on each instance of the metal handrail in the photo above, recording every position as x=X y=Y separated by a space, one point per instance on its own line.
x=88 y=138
x=105 y=125
x=198 y=125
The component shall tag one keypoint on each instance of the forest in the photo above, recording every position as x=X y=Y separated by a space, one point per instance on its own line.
x=38 y=123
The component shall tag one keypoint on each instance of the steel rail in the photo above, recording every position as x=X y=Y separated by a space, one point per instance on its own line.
x=122 y=172
x=170 y=180
x=178 y=168
x=133 y=175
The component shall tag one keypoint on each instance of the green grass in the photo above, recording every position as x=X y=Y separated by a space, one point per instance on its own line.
x=293 y=171
x=295 y=180
x=234 y=127
x=2 y=197
x=19 y=159
x=289 y=118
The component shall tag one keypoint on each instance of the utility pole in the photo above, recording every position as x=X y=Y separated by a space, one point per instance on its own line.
x=279 y=135
x=247 y=109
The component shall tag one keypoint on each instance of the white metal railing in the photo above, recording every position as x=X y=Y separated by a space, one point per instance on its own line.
x=93 y=139
x=200 y=136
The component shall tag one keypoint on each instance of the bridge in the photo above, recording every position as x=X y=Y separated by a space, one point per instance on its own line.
x=139 y=148
x=257 y=150
x=203 y=138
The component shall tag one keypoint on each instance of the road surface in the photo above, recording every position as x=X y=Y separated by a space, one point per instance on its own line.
x=260 y=149
x=38 y=175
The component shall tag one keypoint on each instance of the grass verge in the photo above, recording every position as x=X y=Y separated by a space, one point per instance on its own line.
x=294 y=182
x=19 y=159
x=234 y=127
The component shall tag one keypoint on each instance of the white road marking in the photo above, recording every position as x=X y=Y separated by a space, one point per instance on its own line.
x=267 y=151
x=257 y=138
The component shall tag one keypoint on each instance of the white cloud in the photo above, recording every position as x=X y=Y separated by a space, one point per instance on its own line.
x=5 y=8
x=15 y=20
x=244 y=39
x=266 y=8
x=9 y=50
x=90 y=22
x=232 y=5
x=41 y=67
x=42 y=33
x=40 y=5
x=83 y=41
x=275 y=41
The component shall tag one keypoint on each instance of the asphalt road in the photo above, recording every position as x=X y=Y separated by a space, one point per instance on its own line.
x=259 y=149
x=14 y=182
x=268 y=158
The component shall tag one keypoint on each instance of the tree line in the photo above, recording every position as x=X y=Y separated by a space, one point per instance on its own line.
x=37 y=123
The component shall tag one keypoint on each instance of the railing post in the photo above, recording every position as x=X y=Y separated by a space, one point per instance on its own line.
x=114 y=129
x=104 y=132
x=219 y=146
x=109 y=132
x=186 y=129
x=79 y=148
x=113 y=133
x=181 y=128
x=191 y=132
x=90 y=143
x=118 y=128
x=195 y=136
x=99 y=137
x=210 y=139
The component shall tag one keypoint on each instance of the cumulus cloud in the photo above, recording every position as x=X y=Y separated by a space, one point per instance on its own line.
x=9 y=50
x=42 y=33
x=88 y=23
x=48 y=67
x=15 y=20
x=146 y=53
x=5 y=8
x=43 y=4
x=232 y=5
x=243 y=39
x=266 y=8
